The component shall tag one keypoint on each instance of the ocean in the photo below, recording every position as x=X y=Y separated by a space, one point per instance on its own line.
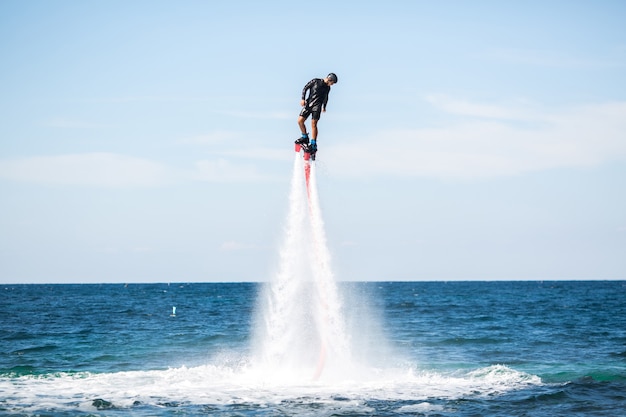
x=551 y=348
x=305 y=344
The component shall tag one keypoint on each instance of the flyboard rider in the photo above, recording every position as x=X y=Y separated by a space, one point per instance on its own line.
x=313 y=105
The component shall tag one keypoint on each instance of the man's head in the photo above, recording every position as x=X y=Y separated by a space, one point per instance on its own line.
x=331 y=79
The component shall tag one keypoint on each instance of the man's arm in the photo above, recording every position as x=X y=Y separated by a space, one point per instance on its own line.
x=306 y=88
x=326 y=100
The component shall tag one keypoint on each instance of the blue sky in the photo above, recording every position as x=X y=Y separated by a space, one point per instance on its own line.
x=152 y=140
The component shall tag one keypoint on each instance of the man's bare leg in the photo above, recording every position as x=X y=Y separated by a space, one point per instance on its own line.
x=301 y=121
x=314 y=129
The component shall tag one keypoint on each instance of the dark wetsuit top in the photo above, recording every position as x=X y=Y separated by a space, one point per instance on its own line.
x=318 y=96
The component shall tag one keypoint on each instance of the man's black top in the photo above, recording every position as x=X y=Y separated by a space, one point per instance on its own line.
x=318 y=93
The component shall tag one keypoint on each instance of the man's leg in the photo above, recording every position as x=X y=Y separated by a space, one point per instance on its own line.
x=314 y=129
x=304 y=139
x=301 y=121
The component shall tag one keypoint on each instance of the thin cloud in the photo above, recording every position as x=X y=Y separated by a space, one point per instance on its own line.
x=275 y=115
x=102 y=169
x=223 y=170
x=477 y=148
x=212 y=138
x=64 y=123
x=265 y=154
x=142 y=249
x=231 y=246
x=146 y=99
x=98 y=169
x=556 y=59
x=464 y=107
x=349 y=243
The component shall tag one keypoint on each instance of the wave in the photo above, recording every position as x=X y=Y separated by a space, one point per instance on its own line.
x=217 y=386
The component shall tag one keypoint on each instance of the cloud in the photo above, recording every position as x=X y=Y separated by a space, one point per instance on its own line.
x=258 y=153
x=212 y=138
x=480 y=140
x=149 y=99
x=142 y=249
x=63 y=123
x=491 y=142
x=236 y=144
x=222 y=170
x=101 y=169
x=464 y=107
x=276 y=115
x=349 y=243
x=236 y=246
x=90 y=169
x=557 y=59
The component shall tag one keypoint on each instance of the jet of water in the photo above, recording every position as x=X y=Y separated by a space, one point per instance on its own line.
x=302 y=330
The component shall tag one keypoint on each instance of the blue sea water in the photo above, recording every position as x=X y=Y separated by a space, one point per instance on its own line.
x=553 y=348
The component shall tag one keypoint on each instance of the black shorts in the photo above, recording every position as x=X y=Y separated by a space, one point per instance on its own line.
x=315 y=112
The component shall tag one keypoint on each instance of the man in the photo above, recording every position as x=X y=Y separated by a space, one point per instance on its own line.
x=318 y=90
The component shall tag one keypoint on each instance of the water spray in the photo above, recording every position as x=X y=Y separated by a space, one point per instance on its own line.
x=302 y=326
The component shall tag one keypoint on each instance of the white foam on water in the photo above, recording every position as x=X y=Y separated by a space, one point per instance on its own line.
x=219 y=385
